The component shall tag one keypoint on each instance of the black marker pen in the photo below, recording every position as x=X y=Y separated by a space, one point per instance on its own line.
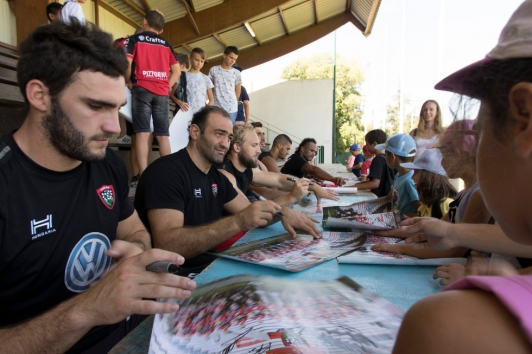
x=260 y=197
x=164 y=267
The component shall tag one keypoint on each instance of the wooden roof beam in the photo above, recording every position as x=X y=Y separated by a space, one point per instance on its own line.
x=283 y=20
x=191 y=18
x=216 y=19
x=146 y=5
x=219 y=39
x=348 y=6
x=372 y=16
x=275 y=49
x=316 y=11
x=136 y=7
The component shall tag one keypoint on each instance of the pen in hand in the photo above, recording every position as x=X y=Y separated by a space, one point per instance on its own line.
x=292 y=179
x=163 y=267
x=260 y=197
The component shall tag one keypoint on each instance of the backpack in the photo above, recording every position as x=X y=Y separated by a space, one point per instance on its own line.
x=181 y=91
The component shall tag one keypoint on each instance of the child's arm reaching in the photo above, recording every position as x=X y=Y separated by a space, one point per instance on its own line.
x=423 y=254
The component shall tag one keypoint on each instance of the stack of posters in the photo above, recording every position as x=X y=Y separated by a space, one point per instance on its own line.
x=364 y=255
x=362 y=216
x=260 y=314
x=295 y=254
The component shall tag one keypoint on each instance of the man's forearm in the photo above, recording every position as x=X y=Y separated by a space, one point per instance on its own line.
x=140 y=238
x=321 y=174
x=52 y=332
x=193 y=241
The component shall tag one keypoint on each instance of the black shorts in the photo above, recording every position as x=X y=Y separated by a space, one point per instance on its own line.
x=146 y=105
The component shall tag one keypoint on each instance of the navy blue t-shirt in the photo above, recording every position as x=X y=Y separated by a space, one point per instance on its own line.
x=240 y=117
x=359 y=158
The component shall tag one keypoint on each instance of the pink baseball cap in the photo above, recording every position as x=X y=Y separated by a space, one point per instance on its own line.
x=515 y=41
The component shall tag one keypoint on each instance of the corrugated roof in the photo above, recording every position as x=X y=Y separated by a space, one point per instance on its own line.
x=300 y=16
x=263 y=15
x=239 y=37
x=182 y=50
x=361 y=10
x=329 y=8
x=127 y=10
x=268 y=28
x=199 y=5
x=171 y=9
x=212 y=47
x=292 y=3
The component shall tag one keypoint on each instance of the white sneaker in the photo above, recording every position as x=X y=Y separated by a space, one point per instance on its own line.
x=126 y=139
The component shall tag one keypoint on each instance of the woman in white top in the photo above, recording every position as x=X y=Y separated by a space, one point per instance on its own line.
x=429 y=127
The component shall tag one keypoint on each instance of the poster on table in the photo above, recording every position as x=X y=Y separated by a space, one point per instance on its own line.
x=365 y=255
x=295 y=254
x=261 y=314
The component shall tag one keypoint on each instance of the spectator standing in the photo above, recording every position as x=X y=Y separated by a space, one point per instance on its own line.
x=429 y=127
x=199 y=86
x=53 y=11
x=227 y=83
x=72 y=8
x=153 y=57
x=243 y=115
x=355 y=161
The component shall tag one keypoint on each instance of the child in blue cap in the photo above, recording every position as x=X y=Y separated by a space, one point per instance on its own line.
x=354 y=163
x=400 y=149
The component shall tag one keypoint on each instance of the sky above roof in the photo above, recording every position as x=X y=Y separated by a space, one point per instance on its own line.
x=440 y=37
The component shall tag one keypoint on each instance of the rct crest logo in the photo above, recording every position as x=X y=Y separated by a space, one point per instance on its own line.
x=107 y=196
x=87 y=262
x=141 y=38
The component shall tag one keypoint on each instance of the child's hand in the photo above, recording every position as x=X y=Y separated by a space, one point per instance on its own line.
x=385 y=247
x=183 y=105
x=449 y=273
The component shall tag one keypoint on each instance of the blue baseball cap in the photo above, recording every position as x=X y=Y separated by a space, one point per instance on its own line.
x=355 y=147
x=399 y=144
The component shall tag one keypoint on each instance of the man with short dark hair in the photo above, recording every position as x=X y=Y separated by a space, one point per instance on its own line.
x=298 y=164
x=154 y=58
x=227 y=81
x=181 y=197
x=66 y=212
x=280 y=149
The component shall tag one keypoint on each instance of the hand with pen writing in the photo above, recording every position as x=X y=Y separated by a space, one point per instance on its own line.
x=123 y=290
x=300 y=188
x=257 y=214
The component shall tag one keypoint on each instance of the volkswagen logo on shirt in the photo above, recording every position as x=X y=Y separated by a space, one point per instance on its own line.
x=87 y=261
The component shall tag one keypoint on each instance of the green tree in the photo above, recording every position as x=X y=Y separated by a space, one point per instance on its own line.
x=349 y=77
x=392 y=111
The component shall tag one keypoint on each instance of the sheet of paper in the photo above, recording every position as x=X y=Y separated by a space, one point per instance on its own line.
x=294 y=254
x=179 y=130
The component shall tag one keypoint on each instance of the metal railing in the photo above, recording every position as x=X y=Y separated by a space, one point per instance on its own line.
x=274 y=130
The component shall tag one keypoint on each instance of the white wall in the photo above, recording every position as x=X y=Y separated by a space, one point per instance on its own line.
x=8 y=24
x=301 y=108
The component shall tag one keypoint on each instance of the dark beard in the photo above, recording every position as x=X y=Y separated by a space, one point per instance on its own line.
x=247 y=161
x=207 y=152
x=66 y=139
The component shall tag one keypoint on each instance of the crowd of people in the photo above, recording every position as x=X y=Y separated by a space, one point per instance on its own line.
x=76 y=279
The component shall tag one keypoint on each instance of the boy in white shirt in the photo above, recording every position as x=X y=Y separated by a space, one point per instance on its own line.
x=198 y=85
x=227 y=81
x=72 y=8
